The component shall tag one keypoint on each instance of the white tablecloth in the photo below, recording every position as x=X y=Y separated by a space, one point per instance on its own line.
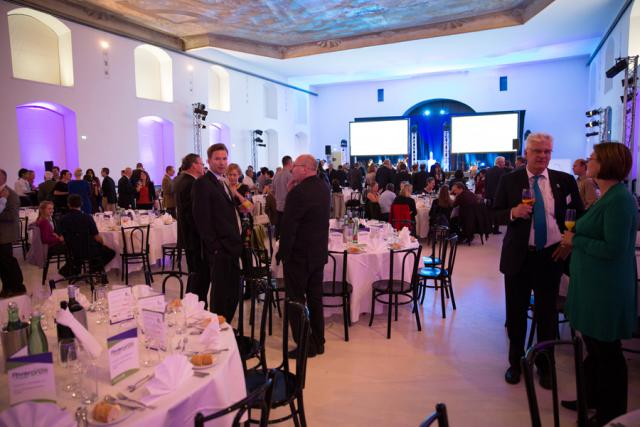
x=159 y=235
x=362 y=270
x=221 y=388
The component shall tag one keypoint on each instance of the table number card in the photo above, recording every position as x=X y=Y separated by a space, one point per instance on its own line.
x=31 y=378
x=123 y=355
x=153 y=302
x=155 y=328
x=120 y=305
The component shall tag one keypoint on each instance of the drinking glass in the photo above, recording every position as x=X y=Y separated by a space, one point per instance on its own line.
x=570 y=219
x=100 y=302
x=69 y=362
x=88 y=380
x=528 y=197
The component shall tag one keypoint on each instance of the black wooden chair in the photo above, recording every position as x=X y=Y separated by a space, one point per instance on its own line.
x=175 y=254
x=260 y=398
x=83 y=262
x=437 y=233
x=23 y=241
x=531 y=314
x=447 y=249
x=440 y=415
x=135 y=250
x=57 y=256
x=392 y=288
x=545 y=349
x=339 y=288
x=354 y=205
x=288 y=386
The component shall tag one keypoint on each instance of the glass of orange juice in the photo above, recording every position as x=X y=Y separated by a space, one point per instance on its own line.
x=570 y=219
x=528 y=198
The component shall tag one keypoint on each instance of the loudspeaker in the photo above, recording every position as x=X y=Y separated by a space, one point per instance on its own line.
x=48 y=166
x=327 y=149
x=516 y=144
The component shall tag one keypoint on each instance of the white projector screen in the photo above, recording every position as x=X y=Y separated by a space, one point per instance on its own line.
x=485 y=133
x=379 y=137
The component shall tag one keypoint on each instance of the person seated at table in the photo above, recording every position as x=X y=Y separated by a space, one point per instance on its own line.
x=404 y=198
x=145 y=191
x=465 y=218
x=47 y=242
x=386 y=200
x=481 y=180
x=440 y=212
x=430 y=186
x=458 y=176
x=76 y=222
x=372 y=202
x=82 y=188
x=335 y=186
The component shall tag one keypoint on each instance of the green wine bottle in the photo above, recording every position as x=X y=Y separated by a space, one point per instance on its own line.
x=14 y=318
x=37 y=339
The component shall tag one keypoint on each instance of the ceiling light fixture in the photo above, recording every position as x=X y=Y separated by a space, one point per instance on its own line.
x=592 y=124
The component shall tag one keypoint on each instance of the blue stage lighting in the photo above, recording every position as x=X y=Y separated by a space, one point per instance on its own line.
x=427 y=112
x=442 y=112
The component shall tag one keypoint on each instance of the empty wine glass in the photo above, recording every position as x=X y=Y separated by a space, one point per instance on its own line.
x=69 y=362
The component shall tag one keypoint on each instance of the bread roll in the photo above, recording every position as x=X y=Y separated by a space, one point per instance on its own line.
x=105 y=412
x=202 y=359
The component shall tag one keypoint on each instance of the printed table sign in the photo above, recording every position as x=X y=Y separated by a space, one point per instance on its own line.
x=120 y=305
x=31 y=378
x=153 y=302
x=155 y=329
x=123 y=355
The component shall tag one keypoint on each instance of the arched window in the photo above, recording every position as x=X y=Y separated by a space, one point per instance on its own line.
x=270 y=101
x=40 y=47
x=154 y=73
x=302 y=143
x=219 y=89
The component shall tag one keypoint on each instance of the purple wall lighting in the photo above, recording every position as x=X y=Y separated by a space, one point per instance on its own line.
x=155 y=145
x=47 y=131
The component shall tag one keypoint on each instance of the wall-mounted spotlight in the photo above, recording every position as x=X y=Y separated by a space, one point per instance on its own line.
x=105 y=58
x=442 y=112
x=620 y=65
x=590 y=134
x=427 y=112
x=593 y=112
x=259 y=142
x=104 y=44
x=592 y=124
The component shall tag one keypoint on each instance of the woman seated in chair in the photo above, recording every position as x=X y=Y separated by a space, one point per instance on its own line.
x=49 y=242
x=441 y=208
x=404 y=198
x=372 y=203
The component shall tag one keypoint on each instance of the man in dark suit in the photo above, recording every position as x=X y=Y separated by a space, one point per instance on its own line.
x=108 y=191
x=419 y=179
x=303 y=245
x=126 y=193
x=531 y=257
x=188 y=238
x=218 y=224
x=492 y=179
x=10 y=272
x=385 y=174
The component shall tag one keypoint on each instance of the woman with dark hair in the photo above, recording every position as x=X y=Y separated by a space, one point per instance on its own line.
x=145 y=191
x=481 y=182
x=441 y=208
x=95 y=195
x=602 y=297
x=437 y=174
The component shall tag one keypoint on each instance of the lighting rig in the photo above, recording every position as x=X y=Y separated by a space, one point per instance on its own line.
x=629 y=92
x=256 y=141
x=199 y=115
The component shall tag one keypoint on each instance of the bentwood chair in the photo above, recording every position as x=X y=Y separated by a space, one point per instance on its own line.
x=440 y=415
x=442 y=275
x=338 y=287
x=23 y=241
x=135 y=250
x=288 y=386
x=388 y=291
x=260 y=398
x=545 y=349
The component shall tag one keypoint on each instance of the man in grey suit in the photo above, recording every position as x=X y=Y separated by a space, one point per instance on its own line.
x=10 y=273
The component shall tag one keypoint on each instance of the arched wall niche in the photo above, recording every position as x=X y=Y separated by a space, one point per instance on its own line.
x=156 y=146
x=154 y=73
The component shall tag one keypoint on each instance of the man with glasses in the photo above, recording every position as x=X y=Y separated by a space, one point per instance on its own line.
x=303 y=245
x=531 y=258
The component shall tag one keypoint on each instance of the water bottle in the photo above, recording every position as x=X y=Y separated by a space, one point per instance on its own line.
x=37 y=339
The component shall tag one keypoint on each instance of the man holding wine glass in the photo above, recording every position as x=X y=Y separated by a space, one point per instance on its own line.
x=533 y=200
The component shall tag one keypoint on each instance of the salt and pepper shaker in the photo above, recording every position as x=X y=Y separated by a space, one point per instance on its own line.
x=81 y=416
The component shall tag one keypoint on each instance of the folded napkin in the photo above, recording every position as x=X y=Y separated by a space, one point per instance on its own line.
x=210 y=337
x=87 y=340
x=192 y=306
x=404 y=237
x=36 y=414
x=170 y=375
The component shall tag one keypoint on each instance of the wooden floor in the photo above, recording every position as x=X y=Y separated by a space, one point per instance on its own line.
x=460 y=360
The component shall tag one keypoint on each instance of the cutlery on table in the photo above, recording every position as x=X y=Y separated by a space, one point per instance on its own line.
x=113 y=400
x=137 y=384
x=122 y=396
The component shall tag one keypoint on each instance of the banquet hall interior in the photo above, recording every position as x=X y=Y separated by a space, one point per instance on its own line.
x=101 y=84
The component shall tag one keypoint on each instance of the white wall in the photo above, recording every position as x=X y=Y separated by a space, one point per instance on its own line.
x=108 y=110
x=554 y=95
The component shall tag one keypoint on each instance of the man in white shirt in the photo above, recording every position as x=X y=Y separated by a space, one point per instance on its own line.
x=22 y=186
x=386 y=200
x=248 y=179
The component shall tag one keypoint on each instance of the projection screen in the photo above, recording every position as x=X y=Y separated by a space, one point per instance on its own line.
x=379 y=137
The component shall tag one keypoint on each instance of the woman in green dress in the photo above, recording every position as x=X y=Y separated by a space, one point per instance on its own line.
x=602 y=299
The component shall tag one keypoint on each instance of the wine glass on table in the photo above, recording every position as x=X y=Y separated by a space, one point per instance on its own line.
x=570 y=219
x=528 y=197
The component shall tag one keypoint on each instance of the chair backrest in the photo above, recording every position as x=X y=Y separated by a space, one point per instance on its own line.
x=335 y=281
x=400 y=216
x=24 y=227
x=259 y=398
x=439 y=246
x=135 y=239
x=257 y=276
x=452 y=243
x=297 y=313
x=355 y=195
x=528 y=361
x=440 y=415
x=78 y=246
x=409 y=258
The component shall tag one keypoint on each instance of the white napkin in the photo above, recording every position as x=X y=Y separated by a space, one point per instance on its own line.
x=170 y=375
x=88 y=341
x=35 y=414
x=192 y=306
x=141 y=291
x=404 y=237
x=210 y=337
x=167 y=219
